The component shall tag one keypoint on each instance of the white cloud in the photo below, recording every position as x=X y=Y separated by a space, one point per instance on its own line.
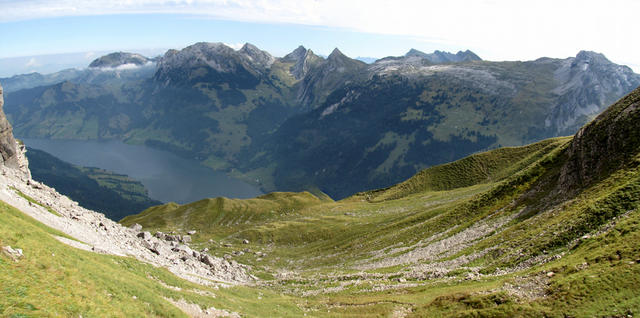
x=496 y=29
x=235 y=46
x=32 y=62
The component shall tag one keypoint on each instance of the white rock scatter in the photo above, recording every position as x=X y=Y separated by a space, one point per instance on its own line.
x=93 y=231
x=14 y=253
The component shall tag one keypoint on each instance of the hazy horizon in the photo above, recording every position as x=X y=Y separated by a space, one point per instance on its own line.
x=52 y=63
x=496 y=30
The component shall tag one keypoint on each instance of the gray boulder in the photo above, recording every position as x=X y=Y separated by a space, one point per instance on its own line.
x=144 y=235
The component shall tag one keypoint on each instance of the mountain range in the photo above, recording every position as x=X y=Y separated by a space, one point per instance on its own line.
x=334 y=125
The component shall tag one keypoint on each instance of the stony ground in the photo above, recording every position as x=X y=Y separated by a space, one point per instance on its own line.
x=93 y=231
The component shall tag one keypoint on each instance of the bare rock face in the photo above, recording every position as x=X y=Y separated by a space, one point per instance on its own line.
x=304 y=60
x=604 y=145
x=8 y=149
x=587 y=84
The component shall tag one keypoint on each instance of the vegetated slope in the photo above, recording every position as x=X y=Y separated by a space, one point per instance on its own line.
x=113 y=194
x=52 y=279
x=486 y=167
x=552 y=232
x=206 y=214
x=353 y=126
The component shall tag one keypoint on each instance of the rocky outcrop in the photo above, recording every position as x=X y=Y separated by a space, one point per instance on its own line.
x=8 y=149
x=604 y=145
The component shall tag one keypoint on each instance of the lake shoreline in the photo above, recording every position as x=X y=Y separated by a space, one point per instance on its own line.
x=167 y=176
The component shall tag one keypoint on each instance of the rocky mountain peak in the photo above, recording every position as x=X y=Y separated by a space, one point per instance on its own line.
x=337 y=60
x=257 y=56
x=336 y=54
x=304 y=60
x=439 y=57
x=467 y=56
x=296 y=55
x=202 y=59
x=205 y=51
x=591 y=57
x=588 y=82
x=414 y=52
x=118 y=59
x=8 y=151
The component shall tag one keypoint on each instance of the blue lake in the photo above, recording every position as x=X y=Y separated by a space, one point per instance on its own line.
x=168 y=178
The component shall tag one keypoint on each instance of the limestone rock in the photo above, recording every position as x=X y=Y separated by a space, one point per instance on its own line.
x=172 y=238
x=7 y=142
x=14 y=254
x=144 y=235
x=161 y=235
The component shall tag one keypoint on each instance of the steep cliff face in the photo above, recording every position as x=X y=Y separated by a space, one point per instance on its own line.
x=608 y=143
x=7 y=142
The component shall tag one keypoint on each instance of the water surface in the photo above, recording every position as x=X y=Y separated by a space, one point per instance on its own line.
x=166 y=176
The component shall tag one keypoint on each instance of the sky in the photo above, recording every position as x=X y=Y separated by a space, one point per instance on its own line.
x=496 y=30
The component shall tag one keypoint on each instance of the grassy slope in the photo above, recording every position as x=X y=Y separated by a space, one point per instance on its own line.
x=55 y=280
x=593 y=223
x=486 y=167
x=206 y=214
